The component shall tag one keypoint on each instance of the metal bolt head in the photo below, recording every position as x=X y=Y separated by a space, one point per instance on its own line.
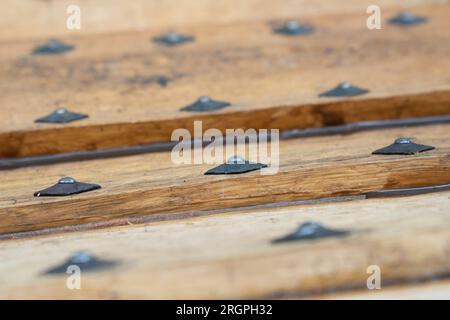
x=81 y=257
x=204 y=99
x=403 y=140
x=61 y=110
x=235 y=160
x=308 y=228
x=173 y=37
x=292 y=25
x=66 y=180
x=345 y=85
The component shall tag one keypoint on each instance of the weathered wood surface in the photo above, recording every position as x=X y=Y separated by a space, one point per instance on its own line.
x=231 y=256
x=30 y=18
x=146 y=184
x=272 y=81
x=434 y=290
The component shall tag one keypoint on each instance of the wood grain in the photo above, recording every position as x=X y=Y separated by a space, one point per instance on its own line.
x=48 y=18
x=231 y=255
x=147 y=184
x=272 y=81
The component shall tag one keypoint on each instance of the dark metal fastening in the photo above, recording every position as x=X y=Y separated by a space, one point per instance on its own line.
x=294 y=28
x=173 y=39
x=206 y=104
x=344 y=89
x=235 y=165
x=65 y=187
x=311 y=231
x=53 y=46
x=407 y=19
x=85 y=261
x=61 y=115
x=403 y=146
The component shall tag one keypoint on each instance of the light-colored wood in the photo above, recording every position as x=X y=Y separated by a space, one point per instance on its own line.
x=231 y=255
x=435 y=290
x=30 y=18
x=134 y=186
x=272 y=81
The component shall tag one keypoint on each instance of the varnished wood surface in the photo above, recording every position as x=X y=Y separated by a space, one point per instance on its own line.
x=272 y=81
x=133 y=186
x=231 y=255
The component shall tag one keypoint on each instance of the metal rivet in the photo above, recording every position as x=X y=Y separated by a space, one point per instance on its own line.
x=294 y=28
x=173 y=38
x=53 y=46
x=81 y=257
x=66 y=180
x=235 y=165
x=407 y=19
x=85 y=261
x=236 y=160
x=403 y=146
x=61 y=116
x=311 y=231
x=344 y=89
x=205 y=103
x=403 y=140
x=66 y=186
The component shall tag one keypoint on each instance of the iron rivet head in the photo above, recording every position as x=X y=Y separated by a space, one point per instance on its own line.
x=173 y=39
x=403 y=140
x=205 y=103
x=235 y=165
x=66 y=180
x=81 y=257
x=236 y=160
x=65 y=187
x=294 y=28
x=85 y=261
x=311 y=231
x=61 y=116
x=403 y=146
x=53 y=46
x=407 y=19
x=344 y=89
x=61 y=110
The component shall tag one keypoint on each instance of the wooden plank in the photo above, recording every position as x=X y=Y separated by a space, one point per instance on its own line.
x=435 y=290
x=231 y=255
x=147 y=184
x=272 y=81
x=48 y=18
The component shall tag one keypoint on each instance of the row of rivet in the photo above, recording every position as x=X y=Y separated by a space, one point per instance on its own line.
x=87 y=262
x=234 y=165
x=204 y=104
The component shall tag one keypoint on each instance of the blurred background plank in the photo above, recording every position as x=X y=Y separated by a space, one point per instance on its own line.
x=231 y=255
x=272 y=81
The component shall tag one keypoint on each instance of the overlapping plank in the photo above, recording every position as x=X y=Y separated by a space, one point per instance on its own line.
x=48 y=18
x=272 y=81
x=147 y=184
x=231 y=255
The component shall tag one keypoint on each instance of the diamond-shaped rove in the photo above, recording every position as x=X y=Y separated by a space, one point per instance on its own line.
x=61 y=115
x=407 y=19
x=403 y=146
x=204 y=104
x=66 y=187
x=311 y=231
x=85 y=261
x=53 y=46
x=235 y=165
x=344 y=89
x=173 y=39
x=294 y=28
